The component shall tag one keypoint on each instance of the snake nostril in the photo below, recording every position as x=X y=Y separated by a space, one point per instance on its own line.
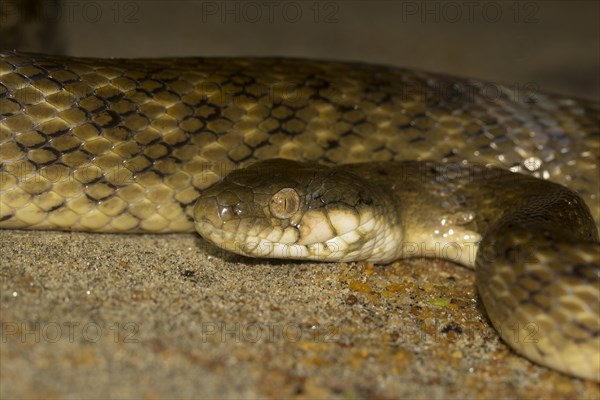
x=239 y=211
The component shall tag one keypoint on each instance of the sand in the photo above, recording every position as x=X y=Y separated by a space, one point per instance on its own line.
x=171 y=316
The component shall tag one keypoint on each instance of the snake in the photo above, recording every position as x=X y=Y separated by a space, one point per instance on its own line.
x=324 y=161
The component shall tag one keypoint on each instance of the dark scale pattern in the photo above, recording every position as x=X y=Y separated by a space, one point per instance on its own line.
x=128 y=145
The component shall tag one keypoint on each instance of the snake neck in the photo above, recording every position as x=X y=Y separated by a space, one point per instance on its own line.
x=445 y=211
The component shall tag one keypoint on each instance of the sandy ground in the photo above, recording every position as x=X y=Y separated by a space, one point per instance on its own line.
x=170 y=316
x=145 y=316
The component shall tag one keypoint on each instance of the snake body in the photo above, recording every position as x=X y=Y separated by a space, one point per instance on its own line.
x=339 y=161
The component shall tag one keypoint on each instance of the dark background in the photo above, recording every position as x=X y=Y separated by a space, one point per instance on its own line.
x=550 y=45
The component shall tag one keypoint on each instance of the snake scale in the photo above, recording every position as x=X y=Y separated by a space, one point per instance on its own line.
x=326 y=161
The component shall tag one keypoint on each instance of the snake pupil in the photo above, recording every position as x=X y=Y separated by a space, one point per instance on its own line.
x=284 y=203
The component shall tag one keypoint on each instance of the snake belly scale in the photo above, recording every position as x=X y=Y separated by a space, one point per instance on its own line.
x=340 y=161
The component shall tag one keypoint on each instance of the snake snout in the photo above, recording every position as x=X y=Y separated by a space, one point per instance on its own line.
x=206 y=213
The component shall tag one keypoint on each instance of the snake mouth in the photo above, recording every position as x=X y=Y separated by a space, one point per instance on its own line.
x=271 y=242
x=354 y=237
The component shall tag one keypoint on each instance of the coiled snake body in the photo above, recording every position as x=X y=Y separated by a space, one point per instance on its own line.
x=139 y=146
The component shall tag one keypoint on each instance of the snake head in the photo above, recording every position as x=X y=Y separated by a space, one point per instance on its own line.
x=286 y=209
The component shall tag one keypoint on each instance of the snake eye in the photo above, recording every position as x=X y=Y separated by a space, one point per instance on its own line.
x=284 y=203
